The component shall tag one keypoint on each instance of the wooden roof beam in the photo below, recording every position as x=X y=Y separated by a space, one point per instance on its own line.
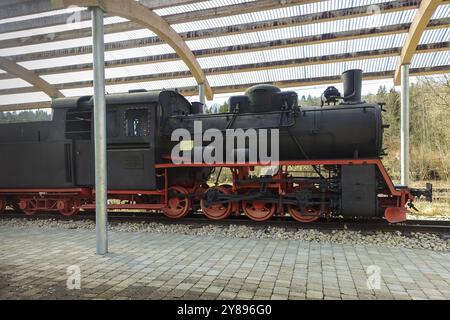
x=418 y=26
x=30 y=77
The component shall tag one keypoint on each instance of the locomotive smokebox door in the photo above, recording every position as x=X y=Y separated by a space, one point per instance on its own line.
x=359 y=190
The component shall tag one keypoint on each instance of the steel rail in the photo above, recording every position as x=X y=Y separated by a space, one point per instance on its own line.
x=327 y=224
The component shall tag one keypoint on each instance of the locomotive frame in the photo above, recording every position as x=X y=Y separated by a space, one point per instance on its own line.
x=177 y=201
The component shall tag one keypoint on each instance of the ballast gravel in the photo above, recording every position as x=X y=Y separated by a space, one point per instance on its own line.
x=349 y=237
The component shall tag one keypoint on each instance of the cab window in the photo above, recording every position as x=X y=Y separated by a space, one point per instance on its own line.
x=136 y=123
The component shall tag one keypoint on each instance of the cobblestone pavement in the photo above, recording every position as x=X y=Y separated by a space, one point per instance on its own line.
x=34 y=264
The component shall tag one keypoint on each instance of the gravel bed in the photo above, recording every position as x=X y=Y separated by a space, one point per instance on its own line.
x=422 y=217
x=349 y=237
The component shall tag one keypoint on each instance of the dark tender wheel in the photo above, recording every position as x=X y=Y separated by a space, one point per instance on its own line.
x=69 y=208
x=27 y=207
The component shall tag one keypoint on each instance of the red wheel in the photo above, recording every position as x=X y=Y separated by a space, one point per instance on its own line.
x=258 y=210
x=217 y=211
x=68 y=208
x=177 y=206
x=27 y=207
x=310 y=214
x=307 y=214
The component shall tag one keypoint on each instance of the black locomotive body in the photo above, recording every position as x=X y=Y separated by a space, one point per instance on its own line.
x=50 y=165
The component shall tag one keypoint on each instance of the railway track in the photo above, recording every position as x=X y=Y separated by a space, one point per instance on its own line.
x=441 y=227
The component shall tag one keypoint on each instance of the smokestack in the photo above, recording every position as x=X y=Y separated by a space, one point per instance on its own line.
x=352 y=86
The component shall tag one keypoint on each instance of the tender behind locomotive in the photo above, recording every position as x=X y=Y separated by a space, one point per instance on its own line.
x=50 y=164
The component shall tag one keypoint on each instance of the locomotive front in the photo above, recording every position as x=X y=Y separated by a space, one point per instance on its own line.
x=340 y=140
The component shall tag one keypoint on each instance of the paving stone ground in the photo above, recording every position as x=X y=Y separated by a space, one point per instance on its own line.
x=38 y=263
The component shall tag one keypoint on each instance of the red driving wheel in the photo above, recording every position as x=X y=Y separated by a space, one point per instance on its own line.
x=179 y=203
x=218 y=211
x=259 y=210
x=307 y=214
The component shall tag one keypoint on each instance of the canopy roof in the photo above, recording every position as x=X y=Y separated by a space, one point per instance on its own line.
x=45 y=45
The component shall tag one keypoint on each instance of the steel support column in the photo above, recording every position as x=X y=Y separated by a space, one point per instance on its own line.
x=201 y=93
x=101 y=219
x=404 y=126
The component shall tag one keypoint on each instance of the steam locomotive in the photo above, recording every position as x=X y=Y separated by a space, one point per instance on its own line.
x=328 y=157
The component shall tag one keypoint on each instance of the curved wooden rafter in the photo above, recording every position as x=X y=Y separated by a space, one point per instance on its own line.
x=418 y=26
x=30 y=77
x=138 y=13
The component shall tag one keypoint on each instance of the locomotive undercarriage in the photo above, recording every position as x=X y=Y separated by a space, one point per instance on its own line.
x=304 y=195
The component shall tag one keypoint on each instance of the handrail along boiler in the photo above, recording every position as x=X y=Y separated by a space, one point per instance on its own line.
x=49 y=165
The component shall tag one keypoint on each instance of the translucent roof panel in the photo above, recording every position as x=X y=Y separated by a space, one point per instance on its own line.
x=301 y=72
x=13 y=83
x=421 y=60
x=323 y=49
x=316 y=28
x=110 y=73
x=86 y=41
x=443 y=11
x=273 y=14
x=58 y=28
x=43 y=14
x=23 y=98
x=392 y=18
x=150 y=85
x=109 y=56
x=435 y=36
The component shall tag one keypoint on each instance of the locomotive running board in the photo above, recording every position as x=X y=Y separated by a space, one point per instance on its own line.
x=54 y=192
x=377 y=162
x=127 y=206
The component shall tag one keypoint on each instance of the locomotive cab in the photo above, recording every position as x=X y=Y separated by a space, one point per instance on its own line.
x=131 y=127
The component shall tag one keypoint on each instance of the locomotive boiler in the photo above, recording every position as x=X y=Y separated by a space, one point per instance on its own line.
x=328 y=157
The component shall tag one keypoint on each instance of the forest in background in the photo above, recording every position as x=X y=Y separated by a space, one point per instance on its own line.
x=429 y=129
x=429 y=126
